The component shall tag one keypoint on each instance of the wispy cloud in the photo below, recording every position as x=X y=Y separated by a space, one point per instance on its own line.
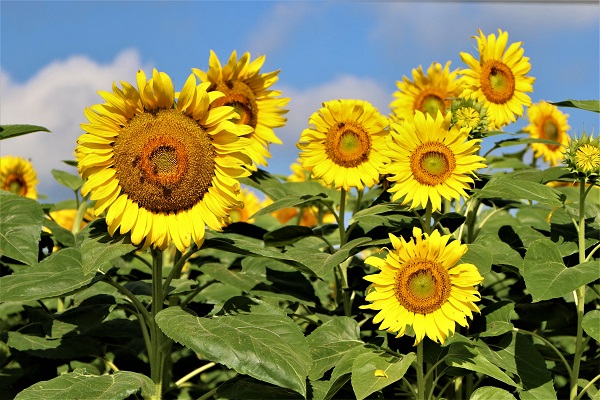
x=55 y=98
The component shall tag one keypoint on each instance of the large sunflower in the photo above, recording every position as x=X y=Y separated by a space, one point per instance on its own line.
x=18 y=176
x=247 y=90
x=162 y=167
x=421 y=286
x=427 y=93
x=546 y=121
x=498 y=78
x=431 y=161
x=345 y=144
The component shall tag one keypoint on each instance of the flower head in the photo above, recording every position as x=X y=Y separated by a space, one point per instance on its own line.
x=421 y=285
x=162 y=167
x=345 y=144
x=583 y=156
x=18 y=176
x=470 y=115
x=247 y=90
x=547 y=122
x=498 y=78
x=250 y=205
x=427 y=93
x=432 y=161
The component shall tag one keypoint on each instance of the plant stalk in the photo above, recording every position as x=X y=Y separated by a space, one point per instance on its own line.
x=157 y=337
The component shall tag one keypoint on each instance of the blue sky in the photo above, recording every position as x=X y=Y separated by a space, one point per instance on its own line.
x=55 y=56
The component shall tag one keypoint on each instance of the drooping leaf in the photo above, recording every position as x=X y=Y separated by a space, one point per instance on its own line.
x=247 y=388
x=502 y=253
x=8 y=131
x=20 y=227
x=497 y=318
x=67 y=179
x=374 y=371
x=591 y=324
x=257 y=340
x=290 y=201
x=491 y=393
x=547 y=277
x=80 y=384
x=478 y=255
x=57 y=275
x=330 y=342
x=347 y=250
x=341 y=374
x=509 y=188
x=64 y=348
x=287 y=235
x=588 y=105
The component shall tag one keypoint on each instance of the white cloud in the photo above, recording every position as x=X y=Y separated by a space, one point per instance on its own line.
x=55 y=98
x=305 y=102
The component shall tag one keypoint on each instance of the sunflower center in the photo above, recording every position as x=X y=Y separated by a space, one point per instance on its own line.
x=550 y=131
x=164 y=161
x=348 y=144
x=432 y=163
x=15 y=184
x=239 y=96
x=587 y=158
x=497 y=82
x=430 y=103
x=422 y=286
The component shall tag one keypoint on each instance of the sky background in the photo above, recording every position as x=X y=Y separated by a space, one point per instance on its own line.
x=55 y=56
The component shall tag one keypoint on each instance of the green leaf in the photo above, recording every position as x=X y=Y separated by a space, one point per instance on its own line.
x=63 y=348
x=342 y=372
x=81 y=385
x=247 y=388
x=374 y=371
x=491 y=393
x=347 y=250
x=588 y=105
x=239 y=279
x=8 y=131
x=266 y=183
x=478 y=255
x=547 y=277
x=259 y=341
x=287 y=235
x=330 y=342
x=591 y=324
x=509 y=188
x=57 y=275
x=67 y=179
x=290 y=201
x=98 y=248
x=20 y=227
x=502 y=253
x=61 y=235
x=497 y=318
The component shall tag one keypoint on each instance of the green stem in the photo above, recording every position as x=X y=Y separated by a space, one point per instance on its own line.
x=579 y=294
x=194 y=373
x=419 y=368
x=79 y=217
x=428 y=212
x=586 y=388
x=177 y=267
x=157 y=337
x=343 y=267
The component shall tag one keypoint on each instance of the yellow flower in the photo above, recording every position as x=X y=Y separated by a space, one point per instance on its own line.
x=587 y=158
x=298 y=173
x=498 y=78
x=250 y=205
x=247 y=90
x=421 y=286
x=427 y=93
x=546 y=121
x=162 y=168
x=18 y=176
x=345 y=144
x=65 y=218
x=431 y=161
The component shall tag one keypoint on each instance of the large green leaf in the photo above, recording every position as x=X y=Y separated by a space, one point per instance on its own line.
x=247 y=388
x=588 y=105
x=64 y=348
x=343 y=369
x=478 y=255
x=547 y=277
x=8 y=131
x=287 y=235
x=80 y=384
x=497 y=318
x=491 y=393
x=67 y=179
x=57 y=275
x=374 y=371
x=591 y=324
x=290 y=201
x=20 y=227
x=509 y=188
x=502 y=253
x=98 y=248
x=266 y=183
x=253 y=339
x=330 y=342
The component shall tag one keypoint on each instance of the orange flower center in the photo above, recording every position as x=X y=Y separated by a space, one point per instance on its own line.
x=432 y=163
x=239 y=96
x=16 y=184
x=497 y=82
x=348 y=144
x=422 y=286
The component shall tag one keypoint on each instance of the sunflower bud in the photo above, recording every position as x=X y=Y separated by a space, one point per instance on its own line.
x=469 y=114
x=583 y=157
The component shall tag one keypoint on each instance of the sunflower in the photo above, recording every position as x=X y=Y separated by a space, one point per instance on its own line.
x=546 y=121
x=583 y=156
x=431 y=161
x=471 y=115
x=345 y=144
x=421 y=286
x=250 y=205
x=162 y=167
x=247 y=90
x=18 y=176
x=427 y=93
x=498 y=78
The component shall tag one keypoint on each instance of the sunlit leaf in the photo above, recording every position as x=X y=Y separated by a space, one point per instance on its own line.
x=8 y=131
x=374 y=371
x=258 y=340
x=588 y=105
x=63 y=348
x=506 y=187
x=287 y=235
x=245 y=387
x=67 y=179
x=547 y=277
x=20 y=227
x=491 y=393
x=80 y=384
x=497 y=318
x=478 y=255
x=591 y=324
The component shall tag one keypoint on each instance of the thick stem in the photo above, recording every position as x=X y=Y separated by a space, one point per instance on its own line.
x=579 y=294
x=157 y=337
x=343 y=267
x=419 y=368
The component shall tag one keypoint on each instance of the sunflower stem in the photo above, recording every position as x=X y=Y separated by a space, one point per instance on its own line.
x=157 y=337
x=428 y=212
x=343 y=267
x=419 y=368
x=579 y=294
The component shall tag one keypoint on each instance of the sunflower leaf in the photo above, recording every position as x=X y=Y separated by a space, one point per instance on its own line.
x=591 y=324
x=8 y=131
x=375 y=370
x=20 y=227
x=490 y=392
x=67 y=179
x=287 y=235
x=588 y=105
x=507 y=187
x=253 y=339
